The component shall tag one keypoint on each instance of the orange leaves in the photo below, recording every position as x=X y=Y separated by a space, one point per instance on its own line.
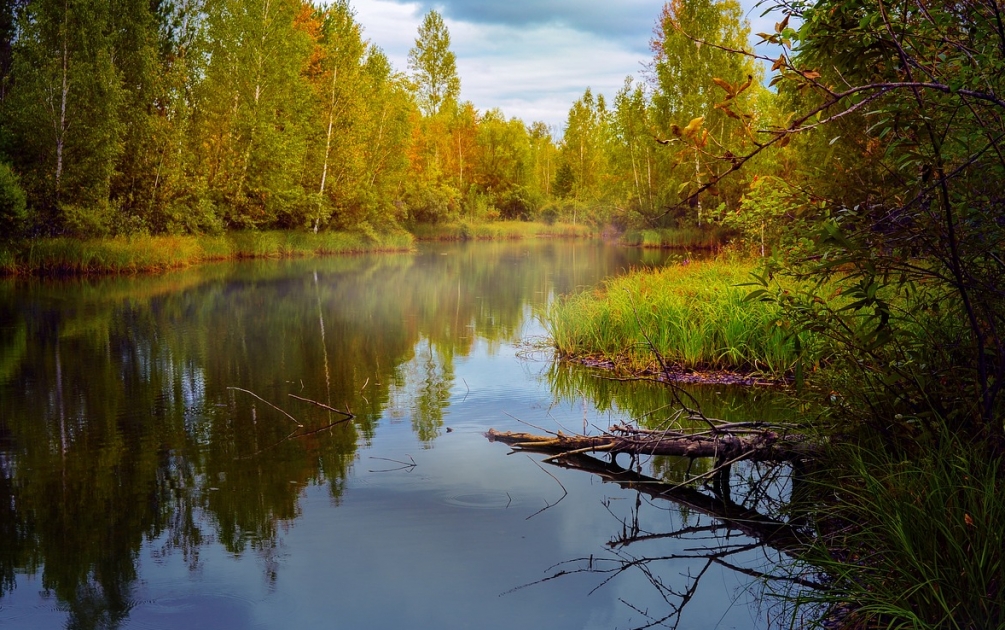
x=733 y=91
x=724 y=85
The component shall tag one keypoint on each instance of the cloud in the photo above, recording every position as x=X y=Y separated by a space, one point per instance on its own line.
x=622 y=21
x=531 y=58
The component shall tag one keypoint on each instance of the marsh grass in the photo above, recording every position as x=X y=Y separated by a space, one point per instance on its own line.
x=141 y=254
x=498 y=230
x=711 y=237
x=696 y=316
x=912 y=542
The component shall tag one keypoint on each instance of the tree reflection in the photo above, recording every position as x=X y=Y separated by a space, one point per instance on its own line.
x=752 y=537
x=743 y=517
x=119 y=425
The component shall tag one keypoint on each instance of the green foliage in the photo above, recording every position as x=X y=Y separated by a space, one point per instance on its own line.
x=13 y=204
x=498 y=230
x=143 y=253
x=565 y=180
x=125 y=118
x=912 y=542
x=773 y=217
x=434 y=66
x=702 y=91
x=695 y=315
x=61 y=110
x=915 y=224
x=583 y=155
x=676 y=238
x=431 y=202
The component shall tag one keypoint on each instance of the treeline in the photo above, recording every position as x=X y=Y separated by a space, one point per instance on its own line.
x=199 y=116
x=174 y=116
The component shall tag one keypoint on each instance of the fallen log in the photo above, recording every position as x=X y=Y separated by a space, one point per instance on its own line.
x=741 y=442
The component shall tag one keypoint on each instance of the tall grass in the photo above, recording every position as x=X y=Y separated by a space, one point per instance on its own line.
x=912 y=542
x=694 y=315
x=498 y=230
x=710 y=237
x=158 y=253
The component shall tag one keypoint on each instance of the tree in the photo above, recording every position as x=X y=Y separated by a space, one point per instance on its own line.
x=61 y=113
x=544 y=158
x=136 y=45
x=12 y=203
x=584 y=148
x=504 y=164
x=8 y=34
x=433 y=65
x=252 y=105
x=701 y=90
x=388 y=131
x=335 y=72
x=633 y=149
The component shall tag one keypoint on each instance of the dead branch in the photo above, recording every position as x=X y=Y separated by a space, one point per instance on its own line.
x=348 y=415
x=765 y=444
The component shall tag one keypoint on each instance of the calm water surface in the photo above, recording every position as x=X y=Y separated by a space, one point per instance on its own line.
x=148 y=480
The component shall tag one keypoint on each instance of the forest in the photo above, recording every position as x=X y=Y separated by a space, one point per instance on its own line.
x=860 y=165
x=192 y=117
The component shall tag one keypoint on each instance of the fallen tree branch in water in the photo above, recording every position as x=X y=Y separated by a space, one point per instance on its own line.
x=734 y=443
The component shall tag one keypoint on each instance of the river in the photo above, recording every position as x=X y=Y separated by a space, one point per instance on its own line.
x=159 y=467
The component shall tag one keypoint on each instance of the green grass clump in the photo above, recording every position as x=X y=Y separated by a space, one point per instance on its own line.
x=498 y=230
x=157 y=253
x=694 y=315
x=709 y=237
x=912 y=542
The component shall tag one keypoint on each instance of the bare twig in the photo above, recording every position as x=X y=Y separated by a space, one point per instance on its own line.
x=565 y=492
x=253 y=394
x=348 y=415
x=404 y=465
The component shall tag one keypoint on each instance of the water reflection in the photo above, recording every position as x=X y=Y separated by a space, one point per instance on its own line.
x=130 y=447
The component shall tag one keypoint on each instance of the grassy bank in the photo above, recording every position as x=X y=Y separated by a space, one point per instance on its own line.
x=914 y=540
x=158 y=253
x=498 y=230
x=694 y=315
x=711 y=237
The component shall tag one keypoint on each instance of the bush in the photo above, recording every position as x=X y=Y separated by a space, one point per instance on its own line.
x=13 y=203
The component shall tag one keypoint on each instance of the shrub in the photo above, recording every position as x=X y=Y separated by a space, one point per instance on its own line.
x=13 y=203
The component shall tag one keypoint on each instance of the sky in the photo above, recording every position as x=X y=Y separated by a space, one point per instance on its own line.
x=531 y=58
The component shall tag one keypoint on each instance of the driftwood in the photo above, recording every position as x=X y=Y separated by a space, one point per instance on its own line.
x=725 y=442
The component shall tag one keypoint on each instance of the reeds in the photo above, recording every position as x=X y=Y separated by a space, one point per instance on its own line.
x=710 y=237
x=912 y=542
x=695 y=315
x=142 y=254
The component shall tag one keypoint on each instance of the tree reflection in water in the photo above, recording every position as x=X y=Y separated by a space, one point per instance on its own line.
x=123 y=440
x=751 y=536
x=755 y=513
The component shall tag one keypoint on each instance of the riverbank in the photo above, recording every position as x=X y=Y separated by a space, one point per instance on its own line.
x=689 y=319
x=150 y=254
x=910 y=540
x=710 y=237
x=145 y=254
